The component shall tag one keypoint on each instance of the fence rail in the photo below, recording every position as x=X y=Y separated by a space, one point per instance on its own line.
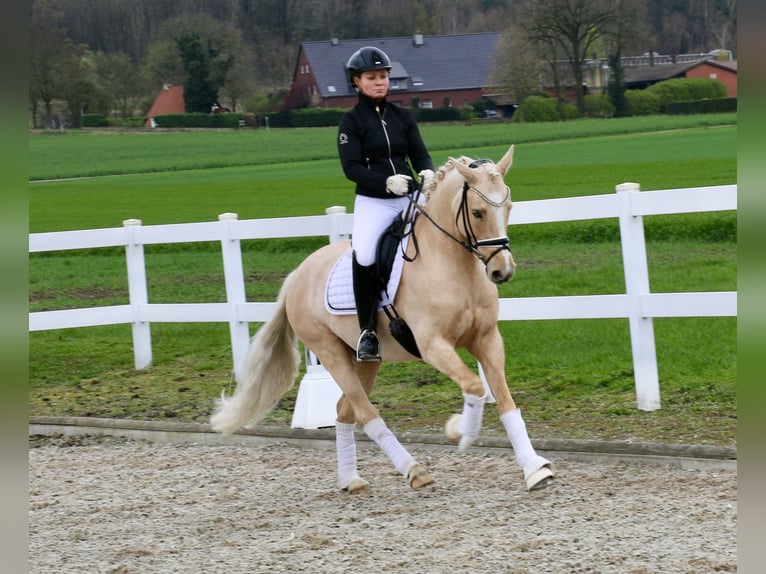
x=628 y=204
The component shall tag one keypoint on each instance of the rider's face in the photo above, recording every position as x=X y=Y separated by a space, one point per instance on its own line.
x=373 y=83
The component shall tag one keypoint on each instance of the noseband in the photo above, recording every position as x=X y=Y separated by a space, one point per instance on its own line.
x=472 y=244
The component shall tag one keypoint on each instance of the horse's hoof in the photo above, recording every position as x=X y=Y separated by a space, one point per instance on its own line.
x=538 y=473
x=452 y=426
x=357 y=486
x=418 y=477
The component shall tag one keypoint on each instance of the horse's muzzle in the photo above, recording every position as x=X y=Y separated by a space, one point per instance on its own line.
x=501 y=274
x=500 y=266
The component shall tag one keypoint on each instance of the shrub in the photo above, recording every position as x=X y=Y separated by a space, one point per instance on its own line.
x=569 y=112
x=598 y=106
x=641 y=103
x=686 y=89
x=537 y=109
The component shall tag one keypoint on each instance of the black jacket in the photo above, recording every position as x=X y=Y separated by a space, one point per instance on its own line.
x=375 y=140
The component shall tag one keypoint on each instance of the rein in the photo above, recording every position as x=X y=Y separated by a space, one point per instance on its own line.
x=472 y=244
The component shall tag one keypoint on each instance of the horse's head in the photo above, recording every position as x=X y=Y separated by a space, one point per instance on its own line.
x=481 y=205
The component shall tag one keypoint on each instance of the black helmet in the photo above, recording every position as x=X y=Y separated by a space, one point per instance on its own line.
x=367 y=58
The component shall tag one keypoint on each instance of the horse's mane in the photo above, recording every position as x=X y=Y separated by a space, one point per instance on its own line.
x=445 y=170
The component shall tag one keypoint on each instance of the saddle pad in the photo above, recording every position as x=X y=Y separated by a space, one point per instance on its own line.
x=339 y=291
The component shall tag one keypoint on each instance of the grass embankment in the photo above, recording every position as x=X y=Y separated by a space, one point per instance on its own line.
x=572 y=378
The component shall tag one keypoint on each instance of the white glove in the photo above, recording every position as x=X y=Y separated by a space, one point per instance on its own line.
x=426 y=179
x=398 y=184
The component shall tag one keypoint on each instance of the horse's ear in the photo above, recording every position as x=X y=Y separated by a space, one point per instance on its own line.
x=506 y=161
x=465 y=171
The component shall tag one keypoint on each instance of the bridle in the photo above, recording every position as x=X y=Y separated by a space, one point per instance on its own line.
x=471 y=244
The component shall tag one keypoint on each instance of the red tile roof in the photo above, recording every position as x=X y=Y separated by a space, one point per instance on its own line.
x=169 y=101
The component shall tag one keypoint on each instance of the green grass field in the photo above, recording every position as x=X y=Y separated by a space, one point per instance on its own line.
x=572 y=378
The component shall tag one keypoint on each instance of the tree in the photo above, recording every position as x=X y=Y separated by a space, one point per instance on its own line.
x=625 y=33
x=46 y=39
x=572 y=25
x=204 y=75
x=76 y=81
x=516 y=70
x=616 y=85
x=199 y=53
x=121 y=82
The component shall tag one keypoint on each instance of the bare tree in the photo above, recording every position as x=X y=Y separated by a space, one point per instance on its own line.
x=516 y=70
x=572 y=25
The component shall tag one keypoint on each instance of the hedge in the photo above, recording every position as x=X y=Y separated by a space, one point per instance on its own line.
x=315 y=117
x=199 y=120
x=93 y=121
x=712 y=106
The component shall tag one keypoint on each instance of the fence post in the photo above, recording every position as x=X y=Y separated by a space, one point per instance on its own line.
x=318 y=392
x=137 y=294
x=234 y=278
x=333 y=215
x=636 y=272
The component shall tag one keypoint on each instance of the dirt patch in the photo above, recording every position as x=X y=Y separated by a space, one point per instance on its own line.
x=109 y=505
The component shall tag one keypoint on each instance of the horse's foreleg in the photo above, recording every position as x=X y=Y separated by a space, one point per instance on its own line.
x=537 y=470
x=442 y=356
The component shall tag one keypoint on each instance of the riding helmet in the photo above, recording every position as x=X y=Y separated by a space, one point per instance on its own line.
x=367 y=58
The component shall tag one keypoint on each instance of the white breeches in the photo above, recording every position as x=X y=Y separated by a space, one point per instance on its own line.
x=372 y=216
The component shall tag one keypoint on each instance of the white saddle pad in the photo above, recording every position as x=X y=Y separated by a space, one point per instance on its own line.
x=339 y=291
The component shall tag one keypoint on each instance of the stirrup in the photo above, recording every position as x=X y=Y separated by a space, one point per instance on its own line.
x=371 y=351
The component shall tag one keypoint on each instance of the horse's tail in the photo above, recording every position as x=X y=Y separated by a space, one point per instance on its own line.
x=270 y=369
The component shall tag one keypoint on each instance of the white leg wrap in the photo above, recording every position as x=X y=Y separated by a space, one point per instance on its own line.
x=377 y=430
x=471 y=419
x=517 y=433
x=345 y=445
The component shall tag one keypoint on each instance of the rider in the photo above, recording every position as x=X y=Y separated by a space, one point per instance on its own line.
x=375 y=141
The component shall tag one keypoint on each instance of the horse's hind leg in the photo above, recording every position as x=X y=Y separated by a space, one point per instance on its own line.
x=345 y=426
x=338 y=361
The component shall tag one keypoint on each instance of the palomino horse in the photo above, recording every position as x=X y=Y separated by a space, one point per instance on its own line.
x=448 y=296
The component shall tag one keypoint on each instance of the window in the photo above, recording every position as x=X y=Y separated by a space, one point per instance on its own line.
x=331 y=89
x=394 y=85
x=426 y=104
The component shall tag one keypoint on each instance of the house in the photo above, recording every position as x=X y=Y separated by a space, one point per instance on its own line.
x=640 y=77
x=169 y=101
x=723 y=71
x=438 y=71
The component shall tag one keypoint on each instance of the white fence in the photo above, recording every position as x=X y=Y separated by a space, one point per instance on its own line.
x=637 y=304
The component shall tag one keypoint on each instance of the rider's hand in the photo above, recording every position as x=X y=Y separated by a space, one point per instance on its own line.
x=398 y=184
x=426 y=179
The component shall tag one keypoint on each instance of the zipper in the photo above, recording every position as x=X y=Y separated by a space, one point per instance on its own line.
x=388 y=141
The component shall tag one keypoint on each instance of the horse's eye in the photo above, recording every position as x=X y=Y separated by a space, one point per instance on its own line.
x=477 y=214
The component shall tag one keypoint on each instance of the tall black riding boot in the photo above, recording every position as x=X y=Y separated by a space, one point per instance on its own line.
x=366 y=296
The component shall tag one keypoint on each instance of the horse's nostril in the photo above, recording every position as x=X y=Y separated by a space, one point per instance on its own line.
x=498 y=276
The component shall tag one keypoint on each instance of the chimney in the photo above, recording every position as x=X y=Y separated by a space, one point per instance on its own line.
x=418 y=39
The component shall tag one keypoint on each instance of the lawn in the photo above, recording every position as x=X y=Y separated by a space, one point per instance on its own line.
x=572 y=378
